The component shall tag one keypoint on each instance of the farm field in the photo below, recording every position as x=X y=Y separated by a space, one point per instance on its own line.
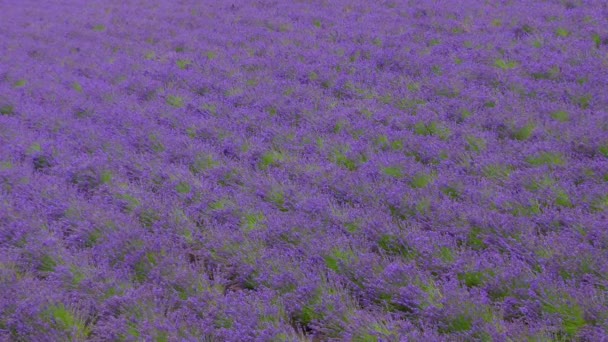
x=314 y=170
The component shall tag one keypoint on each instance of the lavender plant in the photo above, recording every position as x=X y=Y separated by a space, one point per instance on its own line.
x=304 y=171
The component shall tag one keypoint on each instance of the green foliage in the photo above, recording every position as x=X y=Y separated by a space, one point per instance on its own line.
x=393 y=171
x=148 y=217
x=106 y=177
x=475 y=144
x=433 y=128
x=446 y=254
x=47 y=264
x=551 y=74
x=583 y=101
x=155 y=143
x=150 y=55
x=271 y=158
x=562 y=199
x=393 y=246
x=604 y=150
x=66 y=320
x=527 y=210
x=597 y=40
x=337 y=257
x=338 y=156
x=572 y=314
x=471 y=279
x=505 y=65
x=99 y=28
x=219 y=204
x=277 y=197
x=600 y=204
x=183 y=188
x=202 y=163
x=252 y=221
x=546 y=158
x=460 y=323
x=132 y=202
x=413 y=87
x=421 y=180
x=7 y=109
x=175 y=101
x=497 y=171
x=143 y=267
x=474 y=239
x=560 y=115
x=76 y=86
x=525 y=132
x=183 y=63
x=562 y=32
x=543 y=183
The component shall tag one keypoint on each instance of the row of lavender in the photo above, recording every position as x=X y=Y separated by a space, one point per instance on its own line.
x=307 y=170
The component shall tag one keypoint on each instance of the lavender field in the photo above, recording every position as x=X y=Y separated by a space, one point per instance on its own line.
x=258 y=170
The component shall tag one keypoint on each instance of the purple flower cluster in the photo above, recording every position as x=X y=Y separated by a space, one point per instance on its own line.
x=304 y=170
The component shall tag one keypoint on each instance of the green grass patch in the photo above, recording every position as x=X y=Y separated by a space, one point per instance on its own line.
x=183 y=188
x=99 y=28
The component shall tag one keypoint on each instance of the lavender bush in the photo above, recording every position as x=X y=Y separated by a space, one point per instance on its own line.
x=304 y=170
